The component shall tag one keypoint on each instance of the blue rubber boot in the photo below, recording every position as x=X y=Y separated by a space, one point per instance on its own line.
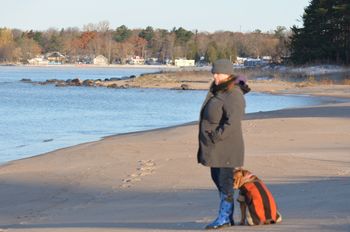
x=223 y=220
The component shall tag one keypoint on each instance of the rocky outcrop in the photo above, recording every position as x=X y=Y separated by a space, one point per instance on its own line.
x=185 y=87
x=182 y=87
x=171 y=80
x=26 y=80
x=115 y=86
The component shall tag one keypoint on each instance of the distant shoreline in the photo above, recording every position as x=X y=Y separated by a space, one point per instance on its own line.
x=313 y=80
x=95 y=66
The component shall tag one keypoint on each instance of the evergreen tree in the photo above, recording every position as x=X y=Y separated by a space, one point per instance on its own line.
x=121 y=34
x=182 y=35
x=55 y=43
x=325 y=35
x=147 y=34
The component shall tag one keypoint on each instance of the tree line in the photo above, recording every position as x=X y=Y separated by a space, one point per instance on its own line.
x=324 y=38
x=121 y=43
x=325 y=35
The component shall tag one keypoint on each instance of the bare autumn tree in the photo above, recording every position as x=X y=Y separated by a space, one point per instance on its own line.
x=123 y=50
x=162 y=45
x=269 y=45
x=70 y=43
x=9 y=51
x=139 y=45
x=101 y=43
x=226 y=47
x=169 y=46
x=29 y=49
x=212 y=52
x=6 y=41
x=106 y=39
x=254 y=43
x=203 y=41
x=282 y=35
x=239 y=40
x=157 y=44
x=84 y=42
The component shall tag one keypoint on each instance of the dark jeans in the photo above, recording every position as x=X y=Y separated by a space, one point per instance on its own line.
x=223 y=179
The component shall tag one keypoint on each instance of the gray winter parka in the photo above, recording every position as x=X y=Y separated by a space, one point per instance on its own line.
x=220 y=131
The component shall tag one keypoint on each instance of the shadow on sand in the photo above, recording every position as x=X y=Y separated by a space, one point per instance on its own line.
x=338 y=111
x=310 y=203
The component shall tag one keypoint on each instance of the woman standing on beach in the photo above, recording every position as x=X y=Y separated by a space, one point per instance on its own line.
x=220 y=136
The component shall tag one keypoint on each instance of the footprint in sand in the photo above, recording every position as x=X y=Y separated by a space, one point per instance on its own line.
x=144 y=168
x=343 y=172
x=204 y=220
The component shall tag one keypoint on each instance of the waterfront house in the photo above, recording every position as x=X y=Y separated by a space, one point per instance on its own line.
x=39 y=60
x=100 y=60
x=240 y=60
x=251 y=62
x=135 y=60
x=180 y=62
x=55 y=58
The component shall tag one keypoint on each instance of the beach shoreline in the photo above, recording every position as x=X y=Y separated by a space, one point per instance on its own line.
x=335 y=97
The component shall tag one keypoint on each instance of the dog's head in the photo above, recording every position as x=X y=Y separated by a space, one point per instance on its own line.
x=242 y=176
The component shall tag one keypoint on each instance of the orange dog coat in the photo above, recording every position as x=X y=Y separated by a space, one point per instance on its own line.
x=261 y=204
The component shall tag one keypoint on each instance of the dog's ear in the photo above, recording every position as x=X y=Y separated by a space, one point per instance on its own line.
x=245 y=172
x=240 y=169
x=238 y=175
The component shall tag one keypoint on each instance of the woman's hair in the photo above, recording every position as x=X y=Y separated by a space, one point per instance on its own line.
x=233 y=76
x=231 y=81
x=241 y=81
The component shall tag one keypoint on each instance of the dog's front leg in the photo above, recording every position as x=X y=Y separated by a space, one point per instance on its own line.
x=243 y=207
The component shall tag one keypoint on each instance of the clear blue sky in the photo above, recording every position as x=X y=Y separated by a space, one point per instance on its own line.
x=204 y=15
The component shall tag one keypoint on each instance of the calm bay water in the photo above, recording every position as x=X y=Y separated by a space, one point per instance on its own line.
x=36 y=119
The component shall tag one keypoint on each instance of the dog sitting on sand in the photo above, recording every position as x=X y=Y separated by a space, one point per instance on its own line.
x=255 y=196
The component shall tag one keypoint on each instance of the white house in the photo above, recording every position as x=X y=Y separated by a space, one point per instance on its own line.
x=251 y=62
x=240 y=60
x=55 y=58
x=39 y=60
x=136 y=60
x=100 y=60
x=183 y=62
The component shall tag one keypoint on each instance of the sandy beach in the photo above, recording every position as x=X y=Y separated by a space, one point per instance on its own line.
x=150 y=181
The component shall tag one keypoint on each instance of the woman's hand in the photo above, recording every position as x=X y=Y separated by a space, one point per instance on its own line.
x=210 y=135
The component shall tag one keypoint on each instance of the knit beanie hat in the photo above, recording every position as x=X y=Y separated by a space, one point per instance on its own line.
x=223 y=66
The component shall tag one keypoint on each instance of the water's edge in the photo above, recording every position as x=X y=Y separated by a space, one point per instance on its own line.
x=248 y=116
